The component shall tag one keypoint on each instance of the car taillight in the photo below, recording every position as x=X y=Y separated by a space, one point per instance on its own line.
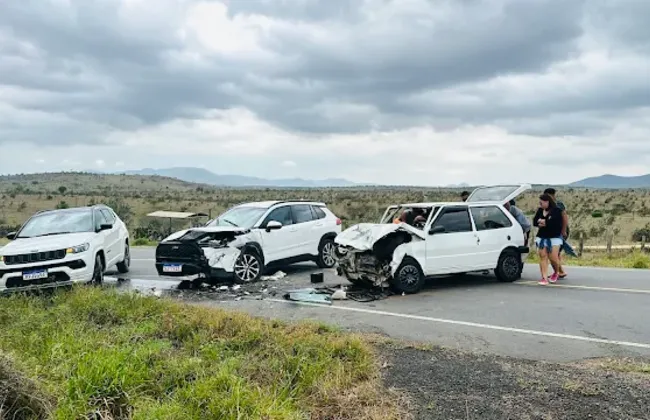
x=338 y=222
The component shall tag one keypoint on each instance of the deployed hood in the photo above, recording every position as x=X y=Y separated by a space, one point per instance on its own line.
x=363 y=236
x=45 y=243
x=215 y=229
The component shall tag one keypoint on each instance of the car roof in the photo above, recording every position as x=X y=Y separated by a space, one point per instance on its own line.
x=271 y=203
x=73 y=209
x=450 y=203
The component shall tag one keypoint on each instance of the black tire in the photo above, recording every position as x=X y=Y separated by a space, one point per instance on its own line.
x=248 y=267
x=123 y=267
x=409 y=277
x=509 y=266
x=98 y=272
x=326 y=253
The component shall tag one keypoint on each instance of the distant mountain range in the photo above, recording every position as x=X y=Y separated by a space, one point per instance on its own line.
x=203 y=176
x=614 y=182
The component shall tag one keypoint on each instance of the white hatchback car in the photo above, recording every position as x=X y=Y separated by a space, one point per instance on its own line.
x=450 y=238
x=251 y=238
x=61 y=247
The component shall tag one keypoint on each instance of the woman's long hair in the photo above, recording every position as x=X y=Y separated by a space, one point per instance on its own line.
x=551 y=203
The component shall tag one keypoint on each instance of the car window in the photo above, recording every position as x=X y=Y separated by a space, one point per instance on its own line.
x=318 y=212
x=302 y=213
x=99 y=219
x=108 y=215
x=281 y=214
x=489 y=217
x=455 y=220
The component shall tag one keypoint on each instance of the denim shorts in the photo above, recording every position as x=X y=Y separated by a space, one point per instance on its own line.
x=548 y=243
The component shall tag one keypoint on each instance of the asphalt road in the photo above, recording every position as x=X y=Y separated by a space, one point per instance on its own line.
x=594 y=312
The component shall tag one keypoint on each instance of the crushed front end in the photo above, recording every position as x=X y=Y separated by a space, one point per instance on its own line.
x=200 y=252
x=365 y=253
x=362 y=268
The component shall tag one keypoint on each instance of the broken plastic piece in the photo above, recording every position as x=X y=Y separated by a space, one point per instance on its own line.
x=277 y=276
x=308 y=295
x=339 y=295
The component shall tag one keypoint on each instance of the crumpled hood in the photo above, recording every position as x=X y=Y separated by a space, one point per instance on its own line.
x=364 y=235
x=180 y=233
x=45 y=243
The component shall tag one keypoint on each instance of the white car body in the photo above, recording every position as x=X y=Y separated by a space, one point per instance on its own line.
x=63 y=259
x=278 y=232
x=482 y=230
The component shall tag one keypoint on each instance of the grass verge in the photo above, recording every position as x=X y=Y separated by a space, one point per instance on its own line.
x=101 y=354
x=618 y=259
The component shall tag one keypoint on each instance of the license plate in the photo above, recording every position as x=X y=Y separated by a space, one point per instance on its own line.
x=35 y=275
x=172 y=268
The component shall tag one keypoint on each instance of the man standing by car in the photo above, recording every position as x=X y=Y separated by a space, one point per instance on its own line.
x=565 y=227
x=521 y=218
x=464 y=195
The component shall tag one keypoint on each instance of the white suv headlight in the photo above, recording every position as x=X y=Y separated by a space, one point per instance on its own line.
x=78 y=249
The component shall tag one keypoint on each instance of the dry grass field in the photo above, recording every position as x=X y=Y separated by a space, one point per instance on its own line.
x=624 y=213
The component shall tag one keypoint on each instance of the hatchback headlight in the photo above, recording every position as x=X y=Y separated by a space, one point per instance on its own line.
x=78 y=249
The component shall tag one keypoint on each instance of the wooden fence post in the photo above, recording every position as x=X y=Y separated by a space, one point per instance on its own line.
x=610 y=237
x=581 y=244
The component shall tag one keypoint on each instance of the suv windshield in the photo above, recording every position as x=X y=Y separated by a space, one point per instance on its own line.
x=58 y=223
x=242 y=216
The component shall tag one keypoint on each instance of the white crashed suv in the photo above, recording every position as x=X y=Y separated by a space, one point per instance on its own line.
x=249 y=239
x=447 y=238
x=61 y=247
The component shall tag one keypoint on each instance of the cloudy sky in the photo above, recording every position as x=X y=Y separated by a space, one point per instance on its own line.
x=427 y=92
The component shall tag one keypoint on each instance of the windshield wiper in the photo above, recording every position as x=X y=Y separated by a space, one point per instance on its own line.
x=51 y=234
x=229 y=222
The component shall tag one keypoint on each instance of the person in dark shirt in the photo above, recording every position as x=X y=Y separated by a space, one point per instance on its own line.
x=565 y=227
x=548 y=220
x=464 y=195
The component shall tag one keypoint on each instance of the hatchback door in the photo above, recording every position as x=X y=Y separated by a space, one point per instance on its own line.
x=498 y=193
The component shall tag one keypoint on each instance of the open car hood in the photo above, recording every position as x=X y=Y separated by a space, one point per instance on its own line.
x=363 y=236
x=217 y=229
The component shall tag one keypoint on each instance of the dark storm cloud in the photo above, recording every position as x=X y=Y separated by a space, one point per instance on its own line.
x=339 y=66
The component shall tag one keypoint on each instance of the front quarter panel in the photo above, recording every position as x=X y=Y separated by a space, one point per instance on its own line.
x=415 y=250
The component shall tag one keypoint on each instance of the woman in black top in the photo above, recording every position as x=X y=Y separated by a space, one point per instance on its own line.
x=549 y=237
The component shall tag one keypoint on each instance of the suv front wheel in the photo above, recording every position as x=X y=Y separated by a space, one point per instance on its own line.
x=248 y=267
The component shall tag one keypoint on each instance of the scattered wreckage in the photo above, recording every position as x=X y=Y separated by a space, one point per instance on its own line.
x=435 y=239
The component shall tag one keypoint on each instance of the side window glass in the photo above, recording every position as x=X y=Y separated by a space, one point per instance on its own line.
x=318 y=212
x=108 y=216
x=490 y=217
x=455 y=220
x=99 y=219
x=281 y=214
x=302 y=213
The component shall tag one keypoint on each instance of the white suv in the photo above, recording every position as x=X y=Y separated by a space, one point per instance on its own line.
x=448 y=238
x=250 y=238
x=60 y=247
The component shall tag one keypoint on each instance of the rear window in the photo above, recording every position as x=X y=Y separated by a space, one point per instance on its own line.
x=319 y=213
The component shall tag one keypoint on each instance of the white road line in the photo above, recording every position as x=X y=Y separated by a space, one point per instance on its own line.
x=470 y=324
x=576 y=286
x=143 y=259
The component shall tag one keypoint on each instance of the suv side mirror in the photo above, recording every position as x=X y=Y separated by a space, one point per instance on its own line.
x=12 y=235
x=436 y=229
x=273 y=225
x=105 y=226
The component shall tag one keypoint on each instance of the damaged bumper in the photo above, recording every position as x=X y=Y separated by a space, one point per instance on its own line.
x=184 y=259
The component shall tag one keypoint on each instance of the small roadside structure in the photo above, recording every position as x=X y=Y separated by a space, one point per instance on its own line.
x=178 y=215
